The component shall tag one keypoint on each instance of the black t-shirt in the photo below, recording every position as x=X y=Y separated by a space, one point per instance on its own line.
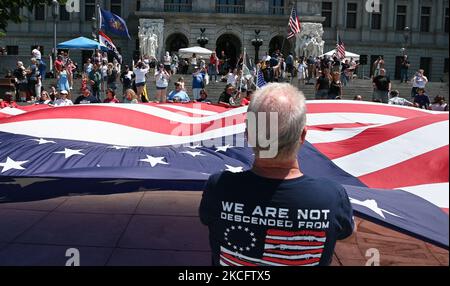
x=86 y=100
x=405 y=64
x=225 y=97
x=345 y=66
x=255 y=220
x=323 y=82
x=382 y=82
x=335 y=88
x=422 y=100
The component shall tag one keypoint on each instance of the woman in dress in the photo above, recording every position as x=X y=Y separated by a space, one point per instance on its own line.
x=63 y=80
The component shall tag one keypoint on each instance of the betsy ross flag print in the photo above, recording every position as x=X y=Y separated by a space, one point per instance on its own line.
x=280 y=248
x=393 y=161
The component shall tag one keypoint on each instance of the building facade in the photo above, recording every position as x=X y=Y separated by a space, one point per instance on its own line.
x=418 y=28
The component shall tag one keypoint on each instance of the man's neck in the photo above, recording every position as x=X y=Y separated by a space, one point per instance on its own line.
x=281 y=169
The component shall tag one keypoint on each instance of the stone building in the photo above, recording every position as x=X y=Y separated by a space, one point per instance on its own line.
x=416 y=27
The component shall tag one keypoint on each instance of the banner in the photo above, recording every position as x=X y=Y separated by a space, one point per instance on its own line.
x=105 y=40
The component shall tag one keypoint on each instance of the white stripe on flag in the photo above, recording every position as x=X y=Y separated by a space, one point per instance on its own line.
x=298 y=238
x=110 y=133
x=315 y=119
x=290 y=247
x=293 y=257
x=397 y=150
x=437 y=194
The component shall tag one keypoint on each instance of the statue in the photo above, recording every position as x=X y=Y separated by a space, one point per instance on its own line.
x=153 y=44
x=309 y=42
x=150 y=37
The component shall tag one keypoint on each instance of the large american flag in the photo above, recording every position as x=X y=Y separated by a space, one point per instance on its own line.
x=294 y=24
x=369 y=148
x=340 y=48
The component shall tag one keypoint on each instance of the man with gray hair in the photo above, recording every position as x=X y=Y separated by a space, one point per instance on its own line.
x=273 y=214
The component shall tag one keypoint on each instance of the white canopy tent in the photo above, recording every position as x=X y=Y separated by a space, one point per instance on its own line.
x=198 y=51
x=348 y=55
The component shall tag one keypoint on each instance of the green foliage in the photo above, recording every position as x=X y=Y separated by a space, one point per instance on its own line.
x=10 y=10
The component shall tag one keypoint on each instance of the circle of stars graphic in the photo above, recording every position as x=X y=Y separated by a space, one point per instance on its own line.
x=240 y=248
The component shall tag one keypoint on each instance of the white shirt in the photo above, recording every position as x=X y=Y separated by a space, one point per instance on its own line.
x=36 y=54
x=104 y=70
x=63 y=102
x=231 y=79
x=438 y=107
x=420 y=82
x=129 y=75
x=399 y=101
x=140 y=75
x=161 y=79
x=167 y=60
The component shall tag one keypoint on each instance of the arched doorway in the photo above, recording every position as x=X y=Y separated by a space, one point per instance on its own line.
x=175 y=42
x=280 y=43
x=231 y=45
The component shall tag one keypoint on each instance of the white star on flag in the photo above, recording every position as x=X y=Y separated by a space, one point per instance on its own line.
x=223 y=148
x=43 y=141
x=234 y=169
x=118 y=147
x=69 y=153
x=154 y=161
x=194 y=147
x=10 y=164
x=194 y=154
x=372 y=205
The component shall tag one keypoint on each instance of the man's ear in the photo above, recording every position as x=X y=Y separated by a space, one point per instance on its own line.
x=303 y=136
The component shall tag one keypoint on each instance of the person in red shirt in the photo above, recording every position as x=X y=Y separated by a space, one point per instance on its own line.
x=213 y=66
x=58 y=65
x=111 y=97
x=246 y=100
x=8 y=101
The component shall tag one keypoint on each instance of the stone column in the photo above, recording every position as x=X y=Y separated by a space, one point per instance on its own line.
x=438 y=5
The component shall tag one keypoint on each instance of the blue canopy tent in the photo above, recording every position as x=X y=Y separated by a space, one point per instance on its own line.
x=82 y=43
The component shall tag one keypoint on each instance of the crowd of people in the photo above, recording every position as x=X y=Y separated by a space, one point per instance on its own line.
x=101 y=78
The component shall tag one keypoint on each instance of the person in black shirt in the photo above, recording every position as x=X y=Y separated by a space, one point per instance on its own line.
x=86 y=98
x=382 y=86
x=227 y=97
x=273 y=214
x=421 y=100
x=335 y=90
x=323 y=85
x=404 y=67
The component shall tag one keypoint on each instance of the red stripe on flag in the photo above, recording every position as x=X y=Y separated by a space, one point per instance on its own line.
x=237 y=260
x=376 y=135
x=295 y=242
x=292 y=263
x=428 y=168
x=274 y=232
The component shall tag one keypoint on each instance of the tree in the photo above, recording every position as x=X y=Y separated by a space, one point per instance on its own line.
x=10 y=10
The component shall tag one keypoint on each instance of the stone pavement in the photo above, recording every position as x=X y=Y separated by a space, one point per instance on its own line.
x=156 y=228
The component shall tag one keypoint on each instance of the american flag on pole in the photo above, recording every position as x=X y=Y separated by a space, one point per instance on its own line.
x=340 y=48
x=294 y=24
x=393 y=161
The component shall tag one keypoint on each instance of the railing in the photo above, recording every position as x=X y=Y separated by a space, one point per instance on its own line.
x=277 y=10
x=230 y=9
x=177 y=7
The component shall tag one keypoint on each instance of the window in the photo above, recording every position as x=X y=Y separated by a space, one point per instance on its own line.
x=401 y=18
x=12 y=50
x=138 y=5
x=425 y=64
x=425 y=19
x=230 y=6
x=327 y=12
x=39 y=12
x=446 y=20
x=445 y=64
x=352 y=12
x=116 y=7
x=63 y=14
x=178 y=5
x=277 y=7
x=89 y=10
x=376 y=19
